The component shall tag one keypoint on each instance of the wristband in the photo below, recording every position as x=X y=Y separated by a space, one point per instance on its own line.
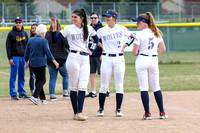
x=130 y=41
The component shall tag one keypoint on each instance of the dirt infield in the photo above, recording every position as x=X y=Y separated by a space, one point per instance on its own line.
x=183 y=109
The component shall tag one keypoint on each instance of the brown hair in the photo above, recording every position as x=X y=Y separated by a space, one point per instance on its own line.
x=95 y=14
x=113 y=11
x=152 y=25
x=82 y=13
x=59 y=27
x=31 y=34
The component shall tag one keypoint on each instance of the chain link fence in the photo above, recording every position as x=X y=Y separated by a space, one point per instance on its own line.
x=164 y=12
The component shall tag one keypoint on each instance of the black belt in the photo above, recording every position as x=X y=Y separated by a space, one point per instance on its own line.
x=113 y=55
x=148 y=55
x=81 y=53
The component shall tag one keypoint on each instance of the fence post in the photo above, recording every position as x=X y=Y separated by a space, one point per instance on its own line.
x=92 y=7
x=26 y=14
x=114 y=6
x=179 y=12
x=70 y=14
x=168 y=44
x=158 y=10
x=3 y=11
x=7 y=14
x=136 y=9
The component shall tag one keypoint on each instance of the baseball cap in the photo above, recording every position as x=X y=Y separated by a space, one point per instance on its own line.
x=139 y=18
x=109 y=13
x=18 y=18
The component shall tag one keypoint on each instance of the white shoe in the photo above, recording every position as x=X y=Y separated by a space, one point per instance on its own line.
x=34 y=100
x=147 y=116
x=100 y=113
x=80 y=117
x=44 y=102
x=163 y=116
x=119 y=113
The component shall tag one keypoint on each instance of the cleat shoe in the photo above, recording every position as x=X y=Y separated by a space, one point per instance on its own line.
x=108 y=94
x=147 y=116
x=23 y=96
x=34 y=100
x=44 y=102
x=91 y=94
x=14 y=98
x=53 y=99
x=118 y=113
x=163 y=116
x=80 y=117
x=100 y=113
x=75 y=117
x=66 y=96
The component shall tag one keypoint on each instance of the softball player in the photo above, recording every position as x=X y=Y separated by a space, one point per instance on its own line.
x=78 y=59
x=113 y=38
x=147 y=44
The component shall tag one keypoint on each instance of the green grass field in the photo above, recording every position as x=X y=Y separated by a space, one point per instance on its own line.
x=173 y=77
x=178 y=71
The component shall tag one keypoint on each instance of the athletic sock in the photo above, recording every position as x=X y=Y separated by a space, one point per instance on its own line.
x=73 y=98
x=145 y=100
x=159 y=100
x=119 y=98
x=81 y=98
x=102 y=98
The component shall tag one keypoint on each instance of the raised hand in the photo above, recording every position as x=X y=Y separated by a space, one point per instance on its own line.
x=54 y=24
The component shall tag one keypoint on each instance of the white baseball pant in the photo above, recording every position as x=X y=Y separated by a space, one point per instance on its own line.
x=78 y=68
x=109 y=64
x=147 y=68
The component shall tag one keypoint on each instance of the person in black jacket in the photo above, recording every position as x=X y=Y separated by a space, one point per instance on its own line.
x=95 y=58
x=59 y=51
x=32 y=75
x=15 y=46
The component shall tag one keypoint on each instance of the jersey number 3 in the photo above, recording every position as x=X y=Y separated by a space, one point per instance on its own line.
x=151 y=44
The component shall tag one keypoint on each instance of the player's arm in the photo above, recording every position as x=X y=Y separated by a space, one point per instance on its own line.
x=135 y=49
x=161 y=47
x=95 y=41
x=100 y=45
x=129 y=42
x=55 y=37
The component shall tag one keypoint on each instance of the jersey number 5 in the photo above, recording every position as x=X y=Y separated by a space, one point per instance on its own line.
x=151 y=44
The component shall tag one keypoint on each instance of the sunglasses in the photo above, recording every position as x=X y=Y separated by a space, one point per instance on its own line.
x=18 y=22
x=93 y=17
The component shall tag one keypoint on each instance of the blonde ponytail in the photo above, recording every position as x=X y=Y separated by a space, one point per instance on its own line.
x=152 y=25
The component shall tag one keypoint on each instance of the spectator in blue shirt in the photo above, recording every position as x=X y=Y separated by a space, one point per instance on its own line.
x=37 y=52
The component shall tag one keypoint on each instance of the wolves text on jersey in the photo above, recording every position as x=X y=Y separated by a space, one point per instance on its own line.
x=77 y=36
x=112 y=36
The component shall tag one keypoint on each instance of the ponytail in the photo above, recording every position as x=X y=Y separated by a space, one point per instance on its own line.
x=85 y=28
x=153 y=26
x=82 y=14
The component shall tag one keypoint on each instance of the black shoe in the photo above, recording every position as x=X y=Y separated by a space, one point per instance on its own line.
x=66 y=96
x=14 y=98
x=92 y=95
x=108 y=94
x=53 y=99
x=24 y=96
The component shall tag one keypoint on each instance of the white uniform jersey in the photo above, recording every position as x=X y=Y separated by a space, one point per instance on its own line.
x=114 y=38
x=147 y=41
x=75 y=37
